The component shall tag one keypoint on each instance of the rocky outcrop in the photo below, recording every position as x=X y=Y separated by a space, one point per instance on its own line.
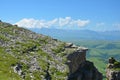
x=113 y=70
x=79 y=67
x=76 y=58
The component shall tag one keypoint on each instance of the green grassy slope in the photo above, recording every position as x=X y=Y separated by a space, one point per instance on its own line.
x=6 y=72
x=34 y=52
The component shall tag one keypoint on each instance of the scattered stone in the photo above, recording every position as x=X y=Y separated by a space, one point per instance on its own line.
x=18 y=69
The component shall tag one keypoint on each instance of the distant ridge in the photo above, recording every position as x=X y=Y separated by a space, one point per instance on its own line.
x=79 y=34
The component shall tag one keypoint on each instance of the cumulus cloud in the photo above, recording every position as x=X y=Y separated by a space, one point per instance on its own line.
x=57 y=22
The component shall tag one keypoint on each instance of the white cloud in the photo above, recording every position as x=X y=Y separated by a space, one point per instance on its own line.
x=57 y=22
x=100 y=24
x=64 y=21
x=116 y=25
x=81 y=23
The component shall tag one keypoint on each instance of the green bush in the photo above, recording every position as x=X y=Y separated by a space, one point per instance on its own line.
x=116 y=64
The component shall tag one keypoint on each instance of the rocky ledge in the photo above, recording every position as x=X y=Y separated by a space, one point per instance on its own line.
x=80 y=68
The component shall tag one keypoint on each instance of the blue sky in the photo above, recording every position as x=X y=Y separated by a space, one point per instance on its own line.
x=100 y=15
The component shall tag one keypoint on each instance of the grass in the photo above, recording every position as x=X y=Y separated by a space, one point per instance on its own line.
x=59 y=49
x=99 y=63
x=6 y=72
x=3 y=38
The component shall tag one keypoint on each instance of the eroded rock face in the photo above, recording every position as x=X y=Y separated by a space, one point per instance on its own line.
x=113 y=70
x=86 y=71
x=75 y=59
x=79 y=68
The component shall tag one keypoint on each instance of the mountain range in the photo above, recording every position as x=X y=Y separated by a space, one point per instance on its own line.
x=75 y=35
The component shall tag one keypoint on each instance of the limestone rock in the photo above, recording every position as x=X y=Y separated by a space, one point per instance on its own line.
x=79 y=68
x=75 y=59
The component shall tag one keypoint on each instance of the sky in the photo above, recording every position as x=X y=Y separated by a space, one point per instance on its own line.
x=98 y=15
